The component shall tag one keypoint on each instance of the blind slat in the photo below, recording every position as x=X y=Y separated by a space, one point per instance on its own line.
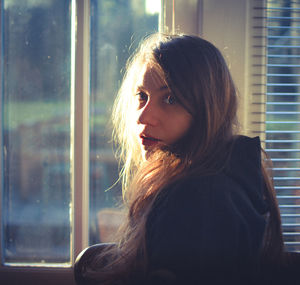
x=282 y=75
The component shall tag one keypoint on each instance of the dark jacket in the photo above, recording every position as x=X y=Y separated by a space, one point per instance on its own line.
x=209 y=229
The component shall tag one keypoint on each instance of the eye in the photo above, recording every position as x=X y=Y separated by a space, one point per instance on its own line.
x=170 y=100
x=142 y=98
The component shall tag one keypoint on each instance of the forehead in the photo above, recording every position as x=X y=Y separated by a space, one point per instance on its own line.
x=150 y=77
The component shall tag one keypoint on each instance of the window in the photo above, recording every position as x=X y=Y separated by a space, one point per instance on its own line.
x=273 y=100
x=60 y=69
x=61 y=63
x=113 y=39
x=36 y=132
x=283 y=111
x=263 y=53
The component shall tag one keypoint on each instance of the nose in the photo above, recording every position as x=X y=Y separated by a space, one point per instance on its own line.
x=149 y=114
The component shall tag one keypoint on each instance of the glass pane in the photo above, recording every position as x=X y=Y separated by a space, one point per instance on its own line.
x=116 y=29
x=36 y=131
x=282 y=112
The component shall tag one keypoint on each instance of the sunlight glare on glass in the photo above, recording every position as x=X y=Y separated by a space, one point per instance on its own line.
x=153 y=6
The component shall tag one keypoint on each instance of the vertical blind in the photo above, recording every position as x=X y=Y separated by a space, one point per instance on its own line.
x=282 y=110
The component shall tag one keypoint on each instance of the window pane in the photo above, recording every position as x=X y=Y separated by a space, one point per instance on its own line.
x=116 y=29
x=282 y=112
x=36 y=131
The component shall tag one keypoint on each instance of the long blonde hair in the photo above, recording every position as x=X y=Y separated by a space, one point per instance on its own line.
x=197 y=75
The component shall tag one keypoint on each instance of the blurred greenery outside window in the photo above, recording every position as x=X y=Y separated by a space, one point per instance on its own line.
x=36 y=78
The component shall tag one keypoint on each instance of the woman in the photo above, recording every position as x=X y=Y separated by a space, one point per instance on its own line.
x=201 y=208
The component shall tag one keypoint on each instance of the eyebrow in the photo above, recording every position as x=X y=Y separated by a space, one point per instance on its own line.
x=162 y=88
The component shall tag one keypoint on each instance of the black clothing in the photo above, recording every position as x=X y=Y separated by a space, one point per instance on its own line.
x=206 y=230
x=209 y=229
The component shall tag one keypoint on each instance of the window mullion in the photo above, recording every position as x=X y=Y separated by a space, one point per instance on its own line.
x=174 y=17
x=80 y=127
x=1 y=140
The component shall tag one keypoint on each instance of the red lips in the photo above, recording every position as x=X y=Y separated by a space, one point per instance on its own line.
x=148 y=140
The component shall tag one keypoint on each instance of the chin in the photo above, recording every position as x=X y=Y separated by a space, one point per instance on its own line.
x=146 y=154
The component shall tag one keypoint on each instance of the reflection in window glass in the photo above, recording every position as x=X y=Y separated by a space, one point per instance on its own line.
x=116 y=29
x=36 y=131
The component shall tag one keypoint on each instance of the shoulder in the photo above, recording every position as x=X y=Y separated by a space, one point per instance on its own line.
x=240 y=181
x=211 y=203
x=206 y=221
x=205 y=191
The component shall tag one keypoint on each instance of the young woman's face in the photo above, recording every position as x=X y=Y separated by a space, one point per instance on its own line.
x=160 y=119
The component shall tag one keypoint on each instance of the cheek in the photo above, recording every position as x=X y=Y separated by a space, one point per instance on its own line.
x=133 y=116
x=181 y=126
x=186 y=124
